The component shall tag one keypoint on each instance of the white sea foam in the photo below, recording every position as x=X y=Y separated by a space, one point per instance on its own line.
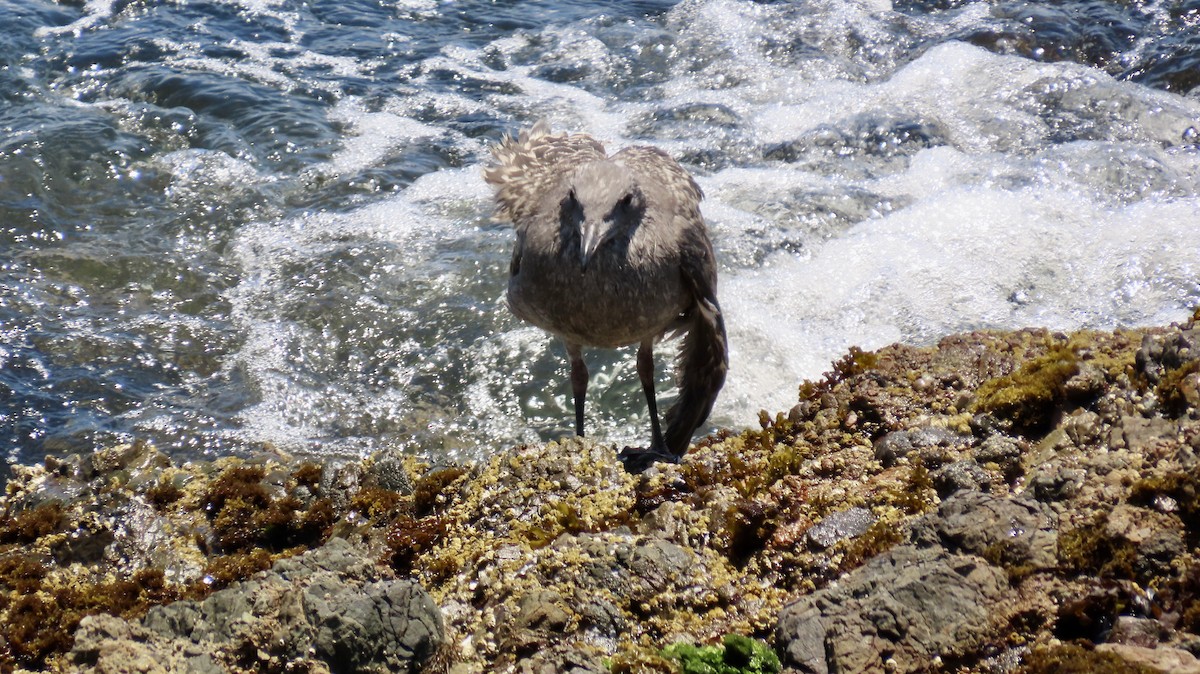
x=1047 y=195
x=95 y=12
x=1000 y=230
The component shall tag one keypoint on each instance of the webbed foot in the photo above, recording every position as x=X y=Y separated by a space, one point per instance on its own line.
x=637 y=459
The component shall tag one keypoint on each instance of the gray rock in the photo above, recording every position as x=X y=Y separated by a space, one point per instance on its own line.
x=1083 y=427
x=1144 y=632
x=927 y=440
x=1158 y=538
x=542 y=609
x=965 y=475
x=1007 y=530
x=332 y=604
x=839 y=526
x=1089 y=382
x=600 y=616
x=907 y=605
x=1160 y=353
x=105 y=644
x=655 y=565
x=559 y=659
x=387 y=471
x=1054 y=482
x=1161 y=659
x=1004 y=452
x=385 y=626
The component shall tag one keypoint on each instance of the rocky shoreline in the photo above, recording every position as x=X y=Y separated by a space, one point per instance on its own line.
x=1000 y=502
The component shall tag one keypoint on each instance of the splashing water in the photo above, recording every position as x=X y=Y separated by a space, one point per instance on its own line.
x=228 y=225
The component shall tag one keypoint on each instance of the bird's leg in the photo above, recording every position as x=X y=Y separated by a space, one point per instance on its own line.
x=645 y=369
x=579 y=382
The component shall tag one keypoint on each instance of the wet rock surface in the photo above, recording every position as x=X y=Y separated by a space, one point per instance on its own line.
x=1000 y=502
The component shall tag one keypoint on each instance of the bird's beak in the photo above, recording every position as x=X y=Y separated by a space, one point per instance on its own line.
x=590 y=236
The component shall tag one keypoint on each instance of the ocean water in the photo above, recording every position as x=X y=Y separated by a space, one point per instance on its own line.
x=236 y=225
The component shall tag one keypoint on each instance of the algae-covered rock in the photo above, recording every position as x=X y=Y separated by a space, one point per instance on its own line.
x=999 y=502
x=332 y=605
x=896 y=612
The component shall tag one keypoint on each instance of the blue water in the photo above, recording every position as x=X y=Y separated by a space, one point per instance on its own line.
x=246 y=225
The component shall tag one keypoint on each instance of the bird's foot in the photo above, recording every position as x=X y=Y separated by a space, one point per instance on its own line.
x=638 y=459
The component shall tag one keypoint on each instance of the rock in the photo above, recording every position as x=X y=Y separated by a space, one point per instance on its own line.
x=540 y=616
x=105 y=644
x=899 y=611
x=387 y=471
x=1055 y=482
x=1002 y=451
x=332 y=604
x=1083 y=427
x=558 y=659
x=959 y=476
x=1012 y=531
x=1133 y=631
x=927 y=440
x=1160 y=353
x=552 y=558
x=1163 y=659
x=839 y=526
x=1157 y=537
x=1090 y=611
x=654 y=566
x=1139 y=434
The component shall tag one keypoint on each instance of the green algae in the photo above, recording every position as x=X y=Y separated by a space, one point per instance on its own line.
x=1172 y=387
x=225 y=570
x=163 y=493
x=1088 y=549
x=1075 y=658
x=915 y=495
x=855 y=362
x=1029 y=397
x=251 y=525
x=308 y=475
x=408 y=538
x=1182 y=487
x=749 y=524
x=736 y=655
x=379 y=504
x=877 y=539
x=757 y=459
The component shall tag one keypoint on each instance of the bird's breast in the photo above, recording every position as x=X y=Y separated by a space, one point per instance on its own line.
x=618 y=299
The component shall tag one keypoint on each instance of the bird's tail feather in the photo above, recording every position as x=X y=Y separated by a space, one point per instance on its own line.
x=703 y=362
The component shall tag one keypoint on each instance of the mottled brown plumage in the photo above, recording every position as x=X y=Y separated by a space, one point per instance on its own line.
x=612 y=251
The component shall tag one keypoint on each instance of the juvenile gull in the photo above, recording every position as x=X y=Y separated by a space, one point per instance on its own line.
x=612 y=251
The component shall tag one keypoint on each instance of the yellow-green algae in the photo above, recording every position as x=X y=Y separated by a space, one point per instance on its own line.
x=43 y=599
x=1075 y=658
x=539 y=518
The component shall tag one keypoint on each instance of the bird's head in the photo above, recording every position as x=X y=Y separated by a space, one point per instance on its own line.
x=602 y=203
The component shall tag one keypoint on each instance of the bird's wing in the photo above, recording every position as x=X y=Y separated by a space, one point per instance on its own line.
x=673 y=189
x=525 y=167
x=698 y=263
x=704 y=355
